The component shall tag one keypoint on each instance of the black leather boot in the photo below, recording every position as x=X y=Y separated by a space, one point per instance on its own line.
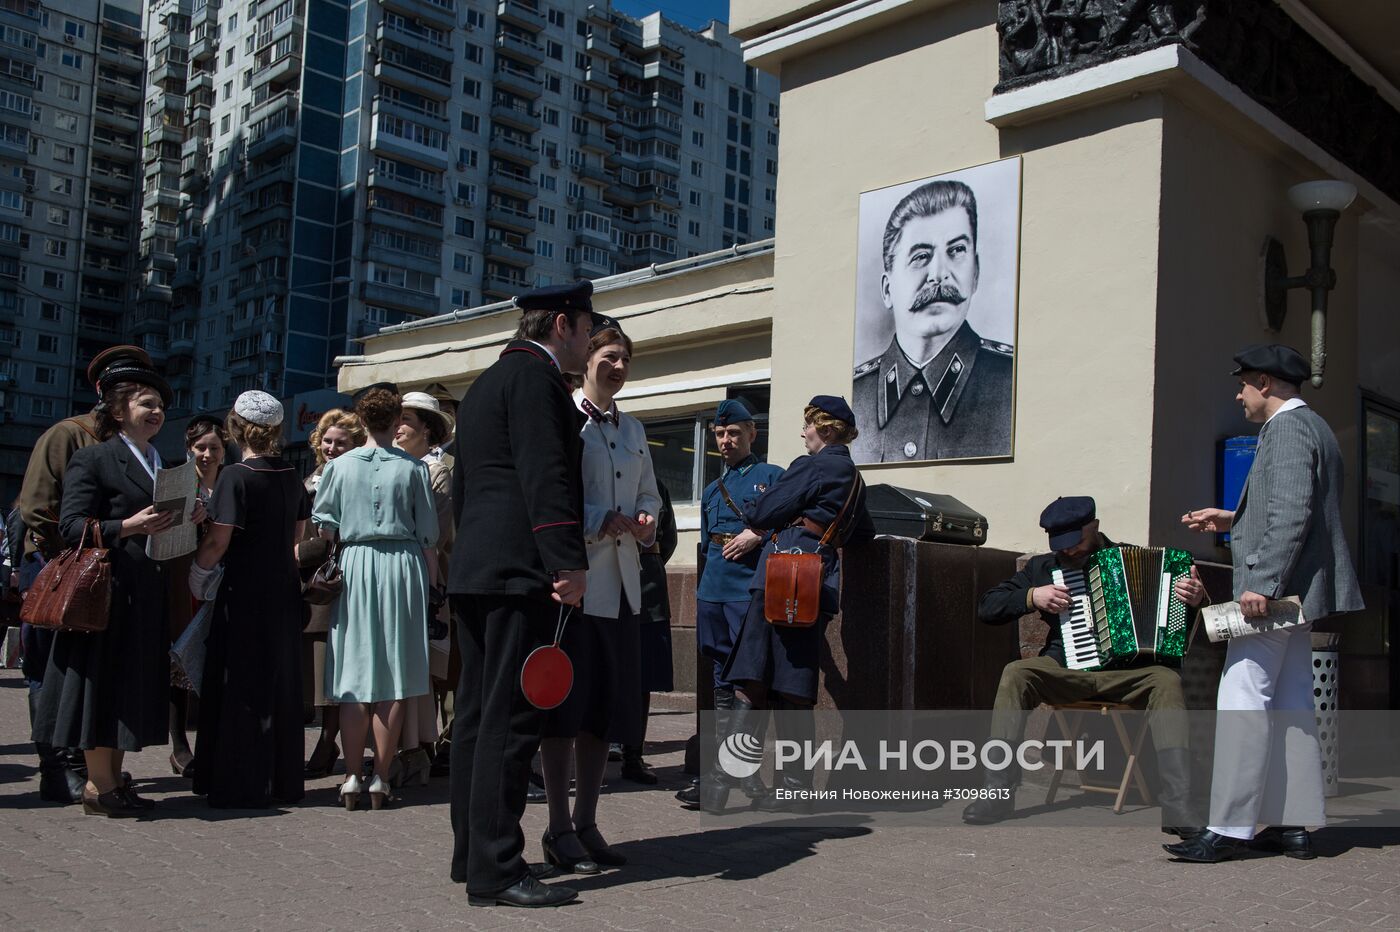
x=792 y=788
x=724 y=705
x=752 y=786
x=58 y=783
x=1174 y=793
x=715 y=784
x=1001 y=789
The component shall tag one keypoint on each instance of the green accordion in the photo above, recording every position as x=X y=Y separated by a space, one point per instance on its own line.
x=1124 y=609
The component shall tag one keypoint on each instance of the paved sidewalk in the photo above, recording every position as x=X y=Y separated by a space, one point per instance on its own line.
x=318 y=867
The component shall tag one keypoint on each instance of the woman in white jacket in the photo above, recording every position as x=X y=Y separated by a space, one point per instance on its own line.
x=620 y=507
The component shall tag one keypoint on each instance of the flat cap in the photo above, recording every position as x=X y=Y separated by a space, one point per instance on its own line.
x=1064 y=520
x=732 y=411
x=576 y=296
x=112 y=355
x=834 y=405
x=1275 y=359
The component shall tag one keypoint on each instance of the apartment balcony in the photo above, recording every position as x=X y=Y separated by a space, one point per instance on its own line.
x=99 y=327
x=586 y=237
x=272 y=106
x=162 y=197
x=598 y=110
x=274 y=141
x=279 y=70
x=600 y=46
x=517 y=256
x=105 y=271
x=598 y=15
x=597 y=77
x=195 y=177
x=423 y=191
x=518 y=83
x=590 y=271
x=508 y=218
x=414 y=152
x=116 y=119
x=109 y=210
x=101 y=240
x=169 y=75
x=440 y=14
x=120 y=148
x=523 y=13
x=158 y=166
x=499 y=286
x=128 y=92
x=259 y=216
x=420 y=42
x=204 y=48
x=595 y=173
x=515 y=115
x=200 y=112
x=506 y=147
x=199 y=81
x=438 y=87
x=278 y=173
x=209 y=13
x=400 y=298
x=122 y=56
x=521 y=186
x=597 y=143
x=627 y=67
x=182 y=344
x=522 y=49
x=165 y=132
x=101 y=301
x=382 y=104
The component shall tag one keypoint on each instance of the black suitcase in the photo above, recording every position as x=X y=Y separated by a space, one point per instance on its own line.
x=924 y=516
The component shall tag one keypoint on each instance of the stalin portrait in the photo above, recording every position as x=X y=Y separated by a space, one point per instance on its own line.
x=940 y=390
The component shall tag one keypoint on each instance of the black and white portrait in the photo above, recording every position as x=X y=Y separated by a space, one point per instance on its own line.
x=936 y=287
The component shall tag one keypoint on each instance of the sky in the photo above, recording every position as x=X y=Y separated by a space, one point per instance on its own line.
x=693 y=13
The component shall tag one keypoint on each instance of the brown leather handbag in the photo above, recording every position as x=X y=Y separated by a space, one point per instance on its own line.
x=73 y=591
x=792 y=586
x=325 y=584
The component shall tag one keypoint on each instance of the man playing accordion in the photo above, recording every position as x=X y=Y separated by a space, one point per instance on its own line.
x=1074 y=535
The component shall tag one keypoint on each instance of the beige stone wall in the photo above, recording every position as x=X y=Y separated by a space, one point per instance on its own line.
x=1225 y=191
x=905 y=102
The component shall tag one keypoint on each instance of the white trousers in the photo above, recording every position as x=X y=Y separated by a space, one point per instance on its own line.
x=1268 y=763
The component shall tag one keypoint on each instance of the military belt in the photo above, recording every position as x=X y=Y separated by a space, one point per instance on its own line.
x=722 y=539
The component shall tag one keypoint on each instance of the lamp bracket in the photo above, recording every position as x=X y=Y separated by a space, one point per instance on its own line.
x=1273 y=303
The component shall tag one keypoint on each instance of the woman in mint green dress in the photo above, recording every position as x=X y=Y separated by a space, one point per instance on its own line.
x=380 y=503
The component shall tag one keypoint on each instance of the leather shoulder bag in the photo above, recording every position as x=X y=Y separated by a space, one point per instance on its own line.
x=73 y=591
x=325 y=584
x=792 y=584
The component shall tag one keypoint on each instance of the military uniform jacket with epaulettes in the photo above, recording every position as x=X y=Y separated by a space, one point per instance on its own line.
x=955 y=407
x=728 y=580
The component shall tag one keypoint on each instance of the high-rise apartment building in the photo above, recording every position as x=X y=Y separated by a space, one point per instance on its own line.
x=316 y=169
x=70 y=160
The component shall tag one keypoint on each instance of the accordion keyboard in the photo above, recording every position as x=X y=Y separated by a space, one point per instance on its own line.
x=1077 y=622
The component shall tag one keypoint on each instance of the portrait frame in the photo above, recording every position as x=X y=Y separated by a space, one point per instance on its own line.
x=993 y=314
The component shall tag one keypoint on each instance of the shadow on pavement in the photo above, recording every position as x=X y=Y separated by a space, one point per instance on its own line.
x=739 y=853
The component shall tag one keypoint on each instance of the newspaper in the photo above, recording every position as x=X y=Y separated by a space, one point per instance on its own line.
x=176 y=490
x=1226 y=620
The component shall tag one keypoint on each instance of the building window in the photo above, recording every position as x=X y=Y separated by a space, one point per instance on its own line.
x=698 y=109
x=768 y=224
x=554 y=50
x=694 y=227
x=475 y=19
x=50 y=311
x=47 y=343
x=475 y=53
x=465 y=227
x=59 y=216
x=60 y=185
x=466 y=193
x=695 y=199
x=461 y=262
x=551 y=116
x=697 y=138
x=461 y=297
x=552 y=83
x=471 y=122
x=65 y=154
x=76 y=30
x=44 y=375
x=71 y=60
x=556 y=18
x=544 y=249
x=772 y=138
x=69 y=91
x=472 y=88
x=466 y=158
x=54 y=280
x=42 y=407
x=548 y=183
x=772 y=166
x=697 y=170
x=546 y=215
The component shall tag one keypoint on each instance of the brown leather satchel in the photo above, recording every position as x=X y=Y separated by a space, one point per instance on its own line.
x=325 y=584
x=73 y=591
x=792 y=586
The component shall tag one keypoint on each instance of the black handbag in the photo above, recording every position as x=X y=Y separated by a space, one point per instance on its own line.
x=325 y=584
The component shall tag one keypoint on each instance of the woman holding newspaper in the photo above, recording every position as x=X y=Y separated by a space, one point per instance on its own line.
x=108 y=692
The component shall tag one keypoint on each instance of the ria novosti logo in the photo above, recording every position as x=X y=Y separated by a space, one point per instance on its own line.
x=740 y=755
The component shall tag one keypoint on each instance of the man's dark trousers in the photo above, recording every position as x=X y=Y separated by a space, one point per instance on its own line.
x=495 y=735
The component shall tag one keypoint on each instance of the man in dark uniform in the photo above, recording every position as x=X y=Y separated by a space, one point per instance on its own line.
x=730 y=553
x=61 y=770
x=1074 y=534
x=939 y=391
x=518 y=499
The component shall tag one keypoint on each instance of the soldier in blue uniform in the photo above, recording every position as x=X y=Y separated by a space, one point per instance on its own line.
x=730 y=552
x=774 y=665
x=939 y=391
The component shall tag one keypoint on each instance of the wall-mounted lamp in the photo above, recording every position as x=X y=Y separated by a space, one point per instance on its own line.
x=1321 y=203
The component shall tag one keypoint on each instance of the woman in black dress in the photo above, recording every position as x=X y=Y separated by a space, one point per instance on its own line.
x=108 y=693
x=776 y=665
x=250 y=724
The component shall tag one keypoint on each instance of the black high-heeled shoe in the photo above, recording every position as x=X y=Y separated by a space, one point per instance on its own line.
x=601 y=852
x=182 y=763
x=322 y=762
x=583 y=865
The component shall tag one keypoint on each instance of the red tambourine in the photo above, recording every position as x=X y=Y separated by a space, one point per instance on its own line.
x=548 y=673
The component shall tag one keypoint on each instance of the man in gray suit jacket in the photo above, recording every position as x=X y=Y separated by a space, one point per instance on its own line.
x=1286 y=540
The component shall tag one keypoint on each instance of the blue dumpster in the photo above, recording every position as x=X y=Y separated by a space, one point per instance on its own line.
x=1236 y=456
